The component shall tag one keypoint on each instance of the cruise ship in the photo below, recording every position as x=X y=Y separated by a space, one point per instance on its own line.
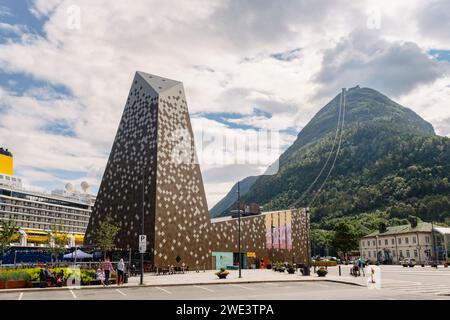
x=36 y=213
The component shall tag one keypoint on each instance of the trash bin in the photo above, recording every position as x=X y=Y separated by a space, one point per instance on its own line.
x=306 y=271
x=125 y=277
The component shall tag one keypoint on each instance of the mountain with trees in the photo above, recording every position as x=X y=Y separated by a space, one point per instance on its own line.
x=231 y=197
x=363 y=162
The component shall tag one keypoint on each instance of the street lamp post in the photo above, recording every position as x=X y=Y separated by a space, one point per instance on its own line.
x=308 y=240
x=239 y=229
x=376 y=245
x=435 y=245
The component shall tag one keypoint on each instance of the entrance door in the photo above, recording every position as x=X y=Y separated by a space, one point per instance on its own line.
x=213 y=263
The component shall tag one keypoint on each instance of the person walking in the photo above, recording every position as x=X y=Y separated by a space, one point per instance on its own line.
x=107 y=269
x=361 y=265
x=120 y=272
x=372 y=275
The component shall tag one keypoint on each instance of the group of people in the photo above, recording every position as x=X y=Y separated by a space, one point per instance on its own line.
x=358 y=266
x=54 y=279
x=104 y=273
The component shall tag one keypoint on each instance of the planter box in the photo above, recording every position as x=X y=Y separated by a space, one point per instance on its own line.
x=15 y=284
x=326 y=263
x=2 y=284
x=222 y=276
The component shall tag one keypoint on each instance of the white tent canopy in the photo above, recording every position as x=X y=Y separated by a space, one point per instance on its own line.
x=78 y=254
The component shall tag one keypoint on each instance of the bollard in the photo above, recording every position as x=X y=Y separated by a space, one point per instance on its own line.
x=339 y=271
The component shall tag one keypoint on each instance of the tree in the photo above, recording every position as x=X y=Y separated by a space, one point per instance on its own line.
x=344 y=238
x=8 y=230
x=320 y=242
x=106 y=235
x=57 y=241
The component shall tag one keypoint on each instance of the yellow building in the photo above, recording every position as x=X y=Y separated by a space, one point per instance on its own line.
x=6 y=162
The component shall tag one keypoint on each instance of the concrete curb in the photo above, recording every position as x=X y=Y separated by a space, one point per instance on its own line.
x=175 y=285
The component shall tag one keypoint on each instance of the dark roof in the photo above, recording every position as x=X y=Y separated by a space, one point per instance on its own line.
x=421 y=227
x=5 y=152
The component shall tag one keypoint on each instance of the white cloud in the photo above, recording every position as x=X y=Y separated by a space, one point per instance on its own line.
x=16 y=29
x=363 y=58
x=223 y=52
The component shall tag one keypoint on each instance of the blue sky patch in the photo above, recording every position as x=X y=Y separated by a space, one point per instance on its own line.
x=440 y=55
x=60 y=127
x=287 y=55
x=20 y=83
x=15 y=12
x=225 y=117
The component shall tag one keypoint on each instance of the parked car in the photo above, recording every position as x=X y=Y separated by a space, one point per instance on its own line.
x=408 y=262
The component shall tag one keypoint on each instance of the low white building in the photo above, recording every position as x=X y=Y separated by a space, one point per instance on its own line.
x=393 y=244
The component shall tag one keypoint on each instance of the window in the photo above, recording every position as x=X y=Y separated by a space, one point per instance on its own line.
x=415 y=253
x=379 y=242
x=407 y=240
x=369 y=253
x=362 y=243
x=414 y=240
x=408 y=254
x=374 y=243
x=427 y=239
x=399 y=240
x=386 y=242
x=393 y=241
x=374 y=254
x=400 y=253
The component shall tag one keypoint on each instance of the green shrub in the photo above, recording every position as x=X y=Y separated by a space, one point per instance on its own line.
x=14 y=275
x=87 y=276
x=32 y=274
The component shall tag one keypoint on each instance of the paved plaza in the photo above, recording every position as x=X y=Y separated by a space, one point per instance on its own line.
x=396 y=283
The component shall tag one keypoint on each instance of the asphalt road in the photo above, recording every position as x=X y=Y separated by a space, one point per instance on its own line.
x=253 y=291
x=397 y=283
x=416 y=275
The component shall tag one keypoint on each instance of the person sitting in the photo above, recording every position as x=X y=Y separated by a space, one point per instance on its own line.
x=100 y=275
x=42 y=277
x=49 y=277
x=60 y=278
x=355 y=270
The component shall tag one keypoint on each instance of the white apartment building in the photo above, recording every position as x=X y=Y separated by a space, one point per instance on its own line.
x=391 y=245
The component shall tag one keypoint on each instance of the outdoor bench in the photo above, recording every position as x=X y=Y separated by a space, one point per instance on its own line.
x=39 y=284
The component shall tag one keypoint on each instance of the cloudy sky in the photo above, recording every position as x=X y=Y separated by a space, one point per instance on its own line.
x=247 y=67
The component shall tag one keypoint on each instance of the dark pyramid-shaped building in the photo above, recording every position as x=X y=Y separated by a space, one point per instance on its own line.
x=152 y=169
x=154 y=147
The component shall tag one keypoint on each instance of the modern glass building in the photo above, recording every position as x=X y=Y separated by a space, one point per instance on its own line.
x=152 y=185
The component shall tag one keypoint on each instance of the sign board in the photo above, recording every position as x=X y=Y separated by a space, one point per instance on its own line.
x=142 y=243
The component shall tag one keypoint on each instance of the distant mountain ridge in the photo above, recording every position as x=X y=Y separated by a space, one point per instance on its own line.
x=383 y=143
x=231 y=196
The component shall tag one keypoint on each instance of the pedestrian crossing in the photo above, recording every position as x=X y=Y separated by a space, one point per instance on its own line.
x=416 y=287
